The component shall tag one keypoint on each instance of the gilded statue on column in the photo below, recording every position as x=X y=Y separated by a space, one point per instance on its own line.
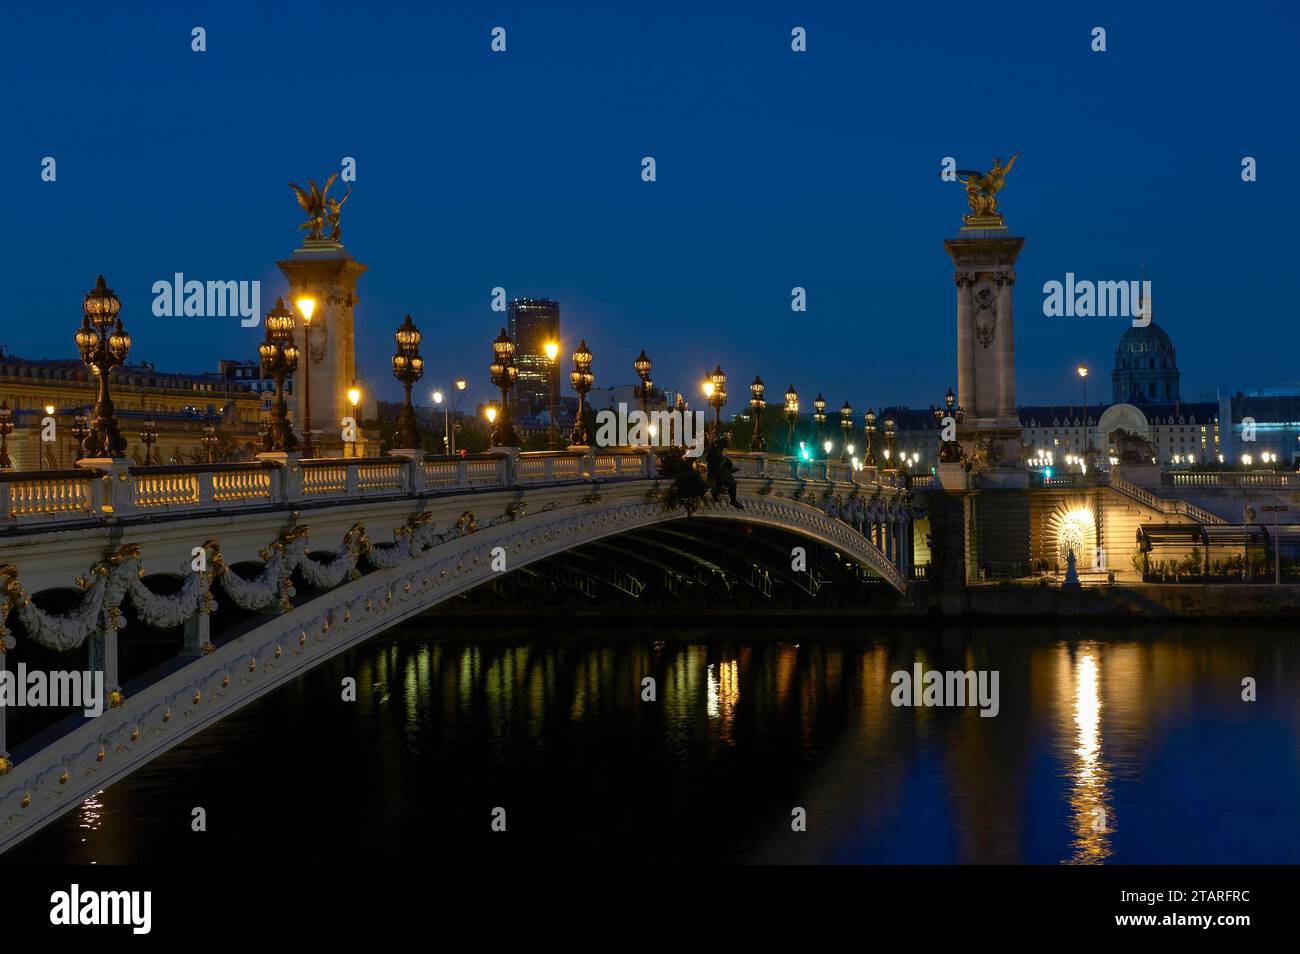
x=322 y=212
x=982 y=192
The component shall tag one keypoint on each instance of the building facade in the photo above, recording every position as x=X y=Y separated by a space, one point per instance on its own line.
x=532 y=323
x=1146 y=367
x=179 y=405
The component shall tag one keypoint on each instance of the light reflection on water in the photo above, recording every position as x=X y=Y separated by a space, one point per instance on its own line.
x=1093 y=821
x=1116 y=749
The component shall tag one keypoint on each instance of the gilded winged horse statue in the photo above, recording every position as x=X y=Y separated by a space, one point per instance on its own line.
x=982 y=187
x=313 y=202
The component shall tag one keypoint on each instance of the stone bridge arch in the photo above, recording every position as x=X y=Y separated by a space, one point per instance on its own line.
x=154 y=718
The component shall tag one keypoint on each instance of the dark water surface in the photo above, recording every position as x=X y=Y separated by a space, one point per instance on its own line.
x=1117 y=744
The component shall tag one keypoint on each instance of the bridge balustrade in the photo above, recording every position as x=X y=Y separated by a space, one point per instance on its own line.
x=1228 y=479
x=27 y=497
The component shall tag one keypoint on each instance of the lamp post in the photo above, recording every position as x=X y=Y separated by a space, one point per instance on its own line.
x=819 y=415
x=642 y=366
x=1275 y=509
x=1087 y=438
x=581 y=379
x=889 y=441
x=80 y=431
x=408 y=367
x=279 y=359
x=504 y=374
x=149 y=437
x=444 y=401
x=6 y=428
x=307 y=306
x=41 y=452
x=103 y=344
x=756 y=405
x=438 y=399
x=354 y=398
x=682 y=410
x=461 y=384
x=209 y=439
x=949 y=451
x=869 y=458
x=791 y=416
x=552 y=349
x=715 y=389
x=846 y=425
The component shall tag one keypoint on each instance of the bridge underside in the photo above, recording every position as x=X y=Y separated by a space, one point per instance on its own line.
x=581 y=542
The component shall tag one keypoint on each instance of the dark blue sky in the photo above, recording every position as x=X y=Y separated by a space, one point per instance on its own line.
x=775 y=169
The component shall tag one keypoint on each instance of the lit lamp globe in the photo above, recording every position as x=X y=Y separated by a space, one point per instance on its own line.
x=552 y=349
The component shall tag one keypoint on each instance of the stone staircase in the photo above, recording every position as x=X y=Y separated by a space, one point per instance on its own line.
x=1161 y=505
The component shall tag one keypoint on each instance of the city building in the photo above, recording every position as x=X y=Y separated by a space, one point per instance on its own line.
x=1146 y=402
x=533 y=322
x=178 y=404
x=1146 y=368
x=1260 y=421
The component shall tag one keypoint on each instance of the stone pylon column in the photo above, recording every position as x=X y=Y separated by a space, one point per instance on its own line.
x=324 y=271
x=984 y=260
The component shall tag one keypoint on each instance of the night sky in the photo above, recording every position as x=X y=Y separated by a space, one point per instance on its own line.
x=775 y=169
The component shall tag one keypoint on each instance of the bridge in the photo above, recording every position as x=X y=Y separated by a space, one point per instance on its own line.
x=268 y=568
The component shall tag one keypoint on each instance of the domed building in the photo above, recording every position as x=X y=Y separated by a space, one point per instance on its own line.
x=1146 y=369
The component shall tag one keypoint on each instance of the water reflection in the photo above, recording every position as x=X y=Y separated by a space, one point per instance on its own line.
x=742 y=730
x=1093 y=820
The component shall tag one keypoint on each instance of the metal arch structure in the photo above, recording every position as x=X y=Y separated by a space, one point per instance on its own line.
x=528 y=523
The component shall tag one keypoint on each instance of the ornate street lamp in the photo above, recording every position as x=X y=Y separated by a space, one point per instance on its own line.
x=6 y=428
x=846 y=425
x=756 y=405
x=716 y=391
x=680 y=419
x=80 y=431
x=791 y=415
x=949 y=451
x=307 y=306
x=642 y=367
x=869 y=458
x=581 y=379
x=552 y=349
x=149 y=437
x=408 y=367
x=103 y=344
x=889 y=441
x=209 y=439
x=279 y=359
x=819 y=415
x=354 y=398
x=504 y=374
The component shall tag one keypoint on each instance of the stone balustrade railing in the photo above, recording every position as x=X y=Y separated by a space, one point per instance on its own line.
x=53 y=494
x=37 y=498
x=66 y=496
x=1228 y=479
x=1144 y=496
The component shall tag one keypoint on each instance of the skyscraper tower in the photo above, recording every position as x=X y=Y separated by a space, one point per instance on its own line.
x=532 y=323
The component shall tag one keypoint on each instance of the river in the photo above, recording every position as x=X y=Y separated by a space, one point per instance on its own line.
x=1111 y=744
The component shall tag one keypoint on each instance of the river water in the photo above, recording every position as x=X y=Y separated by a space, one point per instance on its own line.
x=1114 y=744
